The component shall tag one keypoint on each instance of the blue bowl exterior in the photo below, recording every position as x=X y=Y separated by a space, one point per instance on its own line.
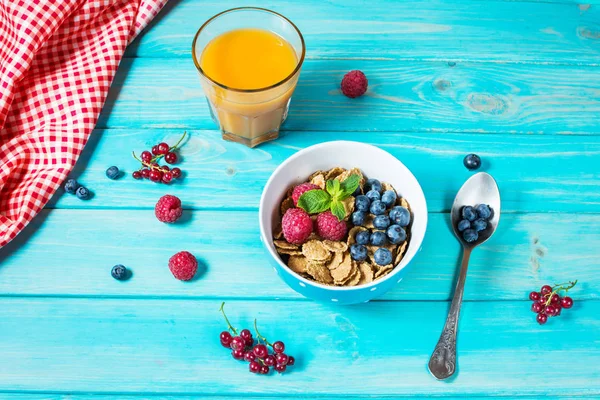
x=354 y=295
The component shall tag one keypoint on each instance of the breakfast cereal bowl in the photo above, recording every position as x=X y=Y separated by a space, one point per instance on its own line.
x=373 y=162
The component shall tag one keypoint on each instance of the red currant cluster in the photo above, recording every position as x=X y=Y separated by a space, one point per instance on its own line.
x=548 y=303
x=150 y=168
x=255 y=352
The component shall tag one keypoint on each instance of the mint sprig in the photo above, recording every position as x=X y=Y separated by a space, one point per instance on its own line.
x=317 y=201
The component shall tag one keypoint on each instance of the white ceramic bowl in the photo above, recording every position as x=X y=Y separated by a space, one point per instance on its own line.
x=374 y=163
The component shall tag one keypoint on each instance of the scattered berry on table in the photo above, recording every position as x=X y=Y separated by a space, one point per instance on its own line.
x=484 y=211
x=383 y=256
x=82 y=193
x=362 y=203
x=548 y=301
x=170 y=158
x=358 y=218
x=363 y=237
x=296 y=226
x=358 y=252
x=472 y=162
x=377 y=207
x=119 y=272
x=183 y=266
x=381 y=222
x=469 y=213
x=168 y=209
x=373 y=184
x=470 y=235
x=71 y=186
x=329 y=227
x=137 y=175
x=400 y=215
x=301 y=189
x=112 y=172
x=378 y=238
x=464 y=224
x=354 y=84
x=388 y=198
x=373 y=195
x=396 y=234
x=479 y=224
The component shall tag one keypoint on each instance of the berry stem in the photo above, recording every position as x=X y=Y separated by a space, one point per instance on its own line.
x=558 y=287
x=178 y=142
x=145 y=164
x=231 y=328
x=261 y=337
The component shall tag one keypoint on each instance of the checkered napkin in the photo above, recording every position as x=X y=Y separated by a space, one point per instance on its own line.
x=57 y=60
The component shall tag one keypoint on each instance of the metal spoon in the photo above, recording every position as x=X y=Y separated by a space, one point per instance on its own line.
x=481 y=188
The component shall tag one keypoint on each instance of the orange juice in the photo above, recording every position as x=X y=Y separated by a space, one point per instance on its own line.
x=248 y=76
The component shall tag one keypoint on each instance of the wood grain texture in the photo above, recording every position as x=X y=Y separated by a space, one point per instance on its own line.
x=155 y=396
x=490 y=31
x=402 y=96
x=535 y=172
x=72 y=251
x=83 y=345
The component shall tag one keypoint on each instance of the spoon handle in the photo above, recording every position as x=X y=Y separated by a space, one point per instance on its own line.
x=442 y=363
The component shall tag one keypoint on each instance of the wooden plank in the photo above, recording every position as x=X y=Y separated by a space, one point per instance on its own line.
x=71 y=252
x=409 y=96
x=535 y=172
x=514 y=32
x=151 y=396
x=134 y=346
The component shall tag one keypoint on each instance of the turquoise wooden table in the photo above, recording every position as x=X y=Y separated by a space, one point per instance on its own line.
x=517 y=82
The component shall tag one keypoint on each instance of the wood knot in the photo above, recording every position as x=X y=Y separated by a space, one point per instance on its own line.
x=230 y=171
x=588 y=32
x=441 y=84
x=487 y=103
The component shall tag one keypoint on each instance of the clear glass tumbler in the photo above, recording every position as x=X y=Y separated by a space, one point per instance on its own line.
x=251 y=116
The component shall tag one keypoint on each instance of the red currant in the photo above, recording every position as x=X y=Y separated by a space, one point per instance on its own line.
x=155 y=176
x=146 y=156
x=291 y=360
x=163 y=148
x=542 y=318
x=264 y=370
x=145 y=173
x=237 y=354
x=176 y=173
x=165 y=168
x=246 y=334
x=237 y=343
x=537 y=307
x=278 y=347
x=225 y=338
x=167 y=177
x=137 y=175
x=546 y=289
x=566 y=302
x=155 y=150
x=261 y=351
x=558 y=309
x=280 y=368
x=171 y=158
x=550 y=310
x=249 y=356
x=555 y=299
x=254 y=367
x=534 y=296
x=269 y=360
x=281 y=358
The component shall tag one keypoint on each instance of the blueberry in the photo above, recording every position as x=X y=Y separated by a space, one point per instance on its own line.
x=112 y=172
x=363 y=237
x=381 y=221
x=82 y=193
x=373 y=195
x=383 y=256
x=378 y=238
x=484 y=211
x=362 y=203
x=464 y=224
x=357 y=192
x=119 y=272
x=358 y=218
x=469 y=213
x=373 y=184
x=472 y=162
x=389 y=198
x=71 y=186
x=377 y=207
x=470 y=235
x=400 y=215
x=358 y=252
x=479 y=224
x=396 y=234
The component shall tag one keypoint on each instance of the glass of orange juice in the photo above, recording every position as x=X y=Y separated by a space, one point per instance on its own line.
x=249 y=61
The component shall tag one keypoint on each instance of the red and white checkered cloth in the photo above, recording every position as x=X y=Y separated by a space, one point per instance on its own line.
x=57 y=61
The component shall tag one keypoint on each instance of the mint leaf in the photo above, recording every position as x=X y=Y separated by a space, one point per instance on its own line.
x=349 y=185
x=337 y=209
x=336 y=186
x=314 y=201
x=329 y=187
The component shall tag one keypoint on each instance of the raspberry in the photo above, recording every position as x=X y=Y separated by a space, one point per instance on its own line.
x=354 y=84
x=296 y=225
x=183 y=265
x=329 y=227
x=168 y=208
x=301 y=189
